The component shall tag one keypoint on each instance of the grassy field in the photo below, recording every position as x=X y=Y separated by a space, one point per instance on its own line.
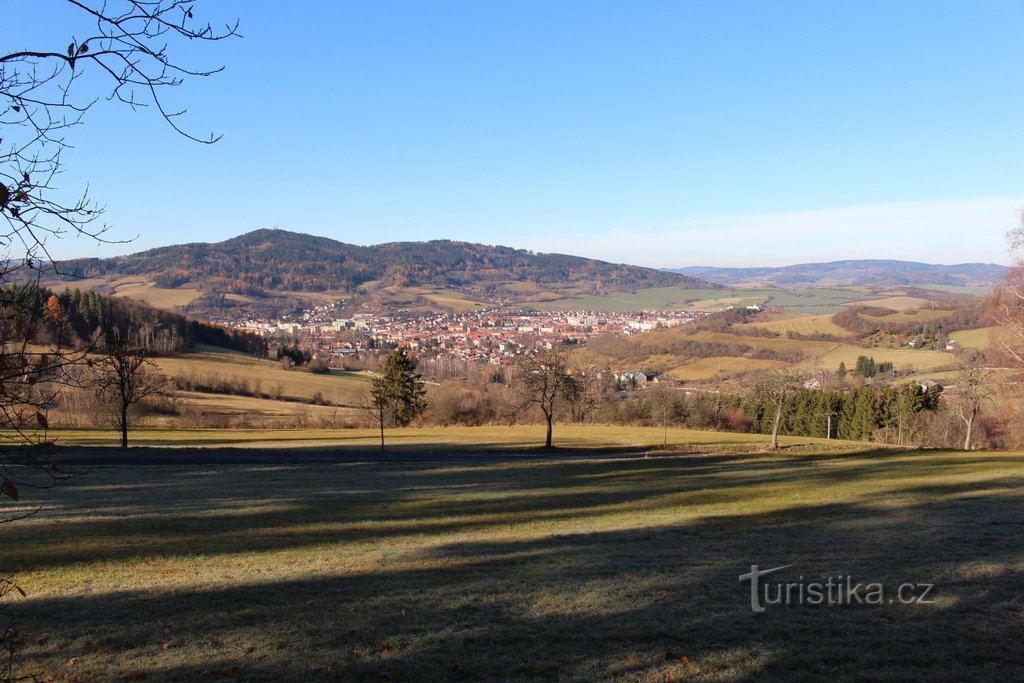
x=517 y=438
x=980 y=338
x=578 y=569
x=902 y=359
x=800 y=324
x=909 y=315
x=655 y=298
x=160 y=297
x=811 y=301
x=337 y=387
x=715 y=366
x=896 y=303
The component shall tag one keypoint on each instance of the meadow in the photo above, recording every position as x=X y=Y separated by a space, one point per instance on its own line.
x=603 y=566
x=266 y=376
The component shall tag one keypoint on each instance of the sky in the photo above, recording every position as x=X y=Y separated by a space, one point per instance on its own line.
x=663 y=134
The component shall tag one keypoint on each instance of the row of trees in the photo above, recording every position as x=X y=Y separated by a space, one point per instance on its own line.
x=556 y=390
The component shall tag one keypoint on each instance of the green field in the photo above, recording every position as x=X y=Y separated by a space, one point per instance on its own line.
x=622 y=568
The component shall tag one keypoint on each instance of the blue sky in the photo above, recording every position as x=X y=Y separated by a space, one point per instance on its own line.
x=659 y=133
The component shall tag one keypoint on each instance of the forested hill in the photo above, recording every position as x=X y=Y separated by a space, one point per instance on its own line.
x=276 y=260
x=855 y=272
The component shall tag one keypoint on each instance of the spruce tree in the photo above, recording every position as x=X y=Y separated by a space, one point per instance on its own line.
x=396 y=392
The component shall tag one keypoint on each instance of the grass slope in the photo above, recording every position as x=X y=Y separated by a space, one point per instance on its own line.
x=338 y=387
x=579 y=569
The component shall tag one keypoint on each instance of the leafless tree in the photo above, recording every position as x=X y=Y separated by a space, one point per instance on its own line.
x=773 y=389
x=544 y=380
x=128 y=51
x=664 y=403
x=972 y=390
x=123 y=376
x=586 y=394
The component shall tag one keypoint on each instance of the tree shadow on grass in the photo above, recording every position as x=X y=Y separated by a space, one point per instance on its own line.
x=645 y=601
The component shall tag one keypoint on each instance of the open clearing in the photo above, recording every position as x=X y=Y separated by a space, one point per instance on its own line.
x=895 y=303
x=493 y=438
x=800 y=324
x=565 y=568
x=980 y=338
x=341 y=388
x=720 y=366
x=159 y=297
x=811 y=300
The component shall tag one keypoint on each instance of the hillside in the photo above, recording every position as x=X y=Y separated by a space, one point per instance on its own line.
x=265 y=261
x=855 y=273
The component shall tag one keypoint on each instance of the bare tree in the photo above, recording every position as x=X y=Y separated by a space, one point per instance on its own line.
x=122 y=50
x=1007 y=301
x=773 y=389
x=124 y=376
x=971 y=392
x=544 y=380
x=126 y=51
x=664 y=403
x=586 y=394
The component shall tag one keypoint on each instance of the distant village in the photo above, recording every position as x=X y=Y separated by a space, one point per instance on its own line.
x=490 y=336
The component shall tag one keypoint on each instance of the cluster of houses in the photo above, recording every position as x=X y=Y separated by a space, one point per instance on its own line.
x=484 y=336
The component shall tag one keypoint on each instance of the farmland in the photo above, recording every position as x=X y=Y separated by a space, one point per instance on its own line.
x=337 y=386
x=614 y=567
x=809 y=300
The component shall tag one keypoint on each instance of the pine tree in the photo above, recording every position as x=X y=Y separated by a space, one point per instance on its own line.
x=396 y=392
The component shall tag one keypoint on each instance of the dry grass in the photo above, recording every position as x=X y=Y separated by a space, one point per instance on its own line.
x=709 y=368
x=909 y=315
x=339 y=388
x=800 y=324
x=582 y=569
x=980 y=338
x=449 y=298
x=902 y=359
x=896 y=303
x=490 y=438
x=254 y=410
x=158 y=297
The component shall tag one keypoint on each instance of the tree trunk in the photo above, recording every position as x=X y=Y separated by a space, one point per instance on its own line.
x=124 y=427
x=381 y=420
x=775 y=428
x=970 y=429
x=547 y=442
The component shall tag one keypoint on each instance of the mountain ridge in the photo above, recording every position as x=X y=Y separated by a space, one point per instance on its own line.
x=854 y=272
x=271 y=259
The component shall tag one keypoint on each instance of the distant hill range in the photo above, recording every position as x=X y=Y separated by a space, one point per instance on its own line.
x=272 y=260
x=854 y=272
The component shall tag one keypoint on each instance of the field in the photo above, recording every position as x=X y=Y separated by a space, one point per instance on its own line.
x=715 y=366
x=337 y=387
x=980 y=338
x=800 y=324
x=909 y=315
x=517 y=438
x=656 y=298
x=824 y=355
x=159 y=297
x=581 y=568
x=903 y=359
x=896 y=303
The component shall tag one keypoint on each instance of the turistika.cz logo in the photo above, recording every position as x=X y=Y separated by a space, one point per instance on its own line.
x=836 y=590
